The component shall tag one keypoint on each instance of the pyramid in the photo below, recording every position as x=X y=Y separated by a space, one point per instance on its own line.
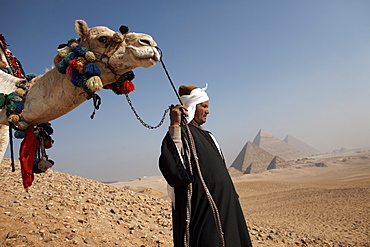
x=275 y=146
x=255 y=167
x=301 y=146
x=234 y=172
x=249 y=154
x=277 y=163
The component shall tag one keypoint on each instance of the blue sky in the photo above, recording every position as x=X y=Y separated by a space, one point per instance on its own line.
x=299 y=68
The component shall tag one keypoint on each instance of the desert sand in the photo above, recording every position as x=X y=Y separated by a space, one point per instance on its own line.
x=302 y=205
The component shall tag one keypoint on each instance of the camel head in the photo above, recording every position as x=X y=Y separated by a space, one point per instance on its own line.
x=117 y=53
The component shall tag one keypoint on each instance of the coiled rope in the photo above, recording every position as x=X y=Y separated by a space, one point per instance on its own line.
x=212 y=203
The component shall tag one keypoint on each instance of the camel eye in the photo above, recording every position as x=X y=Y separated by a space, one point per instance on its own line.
x=103 y=39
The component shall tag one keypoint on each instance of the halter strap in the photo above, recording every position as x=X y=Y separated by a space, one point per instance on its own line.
x=112 y=47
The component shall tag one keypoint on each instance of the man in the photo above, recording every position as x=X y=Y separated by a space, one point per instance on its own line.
x=206 y=210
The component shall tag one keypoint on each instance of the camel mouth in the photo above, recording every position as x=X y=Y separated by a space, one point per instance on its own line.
x=150 y=54
x=149 y=61
x=156 y=57
x=145 y=53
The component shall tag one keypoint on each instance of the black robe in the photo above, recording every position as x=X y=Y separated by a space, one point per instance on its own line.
x=203 y=230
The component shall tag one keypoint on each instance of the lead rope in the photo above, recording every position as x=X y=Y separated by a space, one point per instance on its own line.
x=141 y=120
x=189 y=190
x=212 y=203
x=168 y=75
x=190 y=138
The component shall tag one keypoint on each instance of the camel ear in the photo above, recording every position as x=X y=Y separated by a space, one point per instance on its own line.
x=82 y=29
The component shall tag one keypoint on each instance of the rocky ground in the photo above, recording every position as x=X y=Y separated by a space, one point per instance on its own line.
x=310 y=206
x=66 y=210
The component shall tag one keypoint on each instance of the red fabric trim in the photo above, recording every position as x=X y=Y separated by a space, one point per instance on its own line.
x=27 y=155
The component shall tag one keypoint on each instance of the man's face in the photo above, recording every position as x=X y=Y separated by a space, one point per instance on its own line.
x=201 y=112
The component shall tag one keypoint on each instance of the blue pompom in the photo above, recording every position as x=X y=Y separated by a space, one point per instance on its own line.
x=19 y=106
x=76 y=78
x=70 y=41
x=19 y=134
x=35 y=168
x=92 y=69
x=80 y=51
x=47 y=128
x=70 y=56
x=7 y=70
x=82 y=83
x=62 y=65
x=30 y=76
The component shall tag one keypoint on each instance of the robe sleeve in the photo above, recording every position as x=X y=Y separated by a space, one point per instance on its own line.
x=175 y=133
x=172 y=164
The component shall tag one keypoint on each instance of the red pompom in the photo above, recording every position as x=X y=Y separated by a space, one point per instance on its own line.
x=129 y=86
x=126 y=87
x=121 y=87
x=73 y=64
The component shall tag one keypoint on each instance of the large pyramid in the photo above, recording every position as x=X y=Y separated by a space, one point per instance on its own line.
x=275 y=146
x=252 y=159
x=301 y=146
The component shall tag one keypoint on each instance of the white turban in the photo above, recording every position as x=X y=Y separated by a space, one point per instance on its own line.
x=197 y=96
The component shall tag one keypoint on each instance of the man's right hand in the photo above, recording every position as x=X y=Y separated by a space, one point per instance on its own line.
x=176 y=114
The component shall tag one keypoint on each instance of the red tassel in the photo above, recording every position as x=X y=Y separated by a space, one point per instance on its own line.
x=127 y=87
x=121 y=88
x=73 y=64
x=27 y=155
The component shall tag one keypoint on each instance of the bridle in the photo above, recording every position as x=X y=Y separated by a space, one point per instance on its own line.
x=111 y=48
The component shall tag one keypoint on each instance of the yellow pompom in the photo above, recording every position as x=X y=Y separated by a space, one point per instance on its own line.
x=117 y=37
x=63 y=52
x=20 y=92
x=90 y=56
x=13 y=118
x=94 y=83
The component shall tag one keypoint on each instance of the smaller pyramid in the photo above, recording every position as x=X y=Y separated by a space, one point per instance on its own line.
x=340 y=151
x=249 y=154
x=234 y=173
x=275 y=146
x=301 y=146
x=277 y=163
x=255 y=167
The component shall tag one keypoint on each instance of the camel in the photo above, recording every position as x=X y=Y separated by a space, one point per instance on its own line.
x=52 y=95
